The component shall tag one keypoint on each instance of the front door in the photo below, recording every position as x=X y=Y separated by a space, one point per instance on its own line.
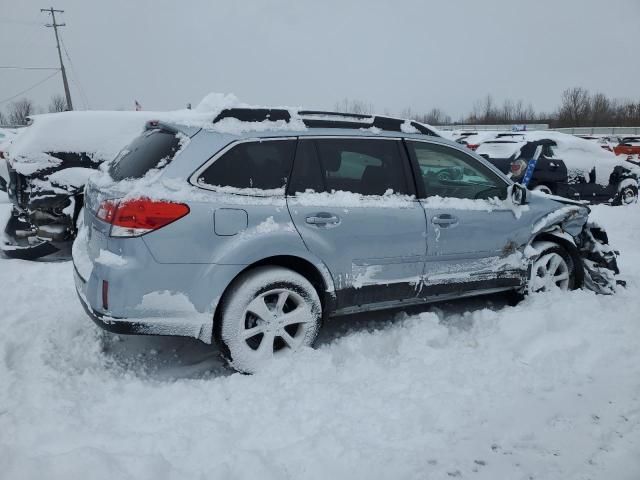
x=351 y=201
x=474 y=231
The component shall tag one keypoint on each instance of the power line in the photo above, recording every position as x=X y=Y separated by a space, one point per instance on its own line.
x=55 y=26
x=28 y=89
x=75 y=76
x=13 y=67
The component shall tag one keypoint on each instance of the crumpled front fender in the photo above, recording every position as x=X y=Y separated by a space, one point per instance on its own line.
x=599 y=259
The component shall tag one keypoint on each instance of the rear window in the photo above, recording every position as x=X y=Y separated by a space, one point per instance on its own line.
x=154 y=149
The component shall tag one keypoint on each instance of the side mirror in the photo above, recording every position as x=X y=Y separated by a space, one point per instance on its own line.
x=518 y=194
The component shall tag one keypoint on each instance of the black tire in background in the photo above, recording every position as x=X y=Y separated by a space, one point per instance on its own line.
x=627 y=195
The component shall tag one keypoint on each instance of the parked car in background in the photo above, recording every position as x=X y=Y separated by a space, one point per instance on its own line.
x=7 y=136
x=629 y=147
x=564 y=165
x=475 y=139
x=267 y=221
x=47 y=166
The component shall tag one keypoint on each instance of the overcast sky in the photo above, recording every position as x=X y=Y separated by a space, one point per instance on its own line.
x=393 y=54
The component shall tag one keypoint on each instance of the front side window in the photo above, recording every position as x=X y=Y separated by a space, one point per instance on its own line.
x=447 y=172
x=259 y=165
x=364 y=166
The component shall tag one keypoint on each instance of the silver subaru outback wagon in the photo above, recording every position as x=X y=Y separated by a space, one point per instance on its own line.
x=253 y=229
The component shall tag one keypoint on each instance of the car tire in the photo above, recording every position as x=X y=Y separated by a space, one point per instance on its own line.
x=552 y=267
x=627 y=195
x=267 y=312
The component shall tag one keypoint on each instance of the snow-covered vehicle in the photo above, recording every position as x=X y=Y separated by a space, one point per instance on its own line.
x=47 y=166
x=7 y=136
x=564 y=165
x=252 y=229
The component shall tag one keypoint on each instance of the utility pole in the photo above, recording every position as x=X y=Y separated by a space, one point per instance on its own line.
x=55 y=26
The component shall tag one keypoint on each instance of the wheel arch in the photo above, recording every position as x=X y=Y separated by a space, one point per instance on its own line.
x=316 y=273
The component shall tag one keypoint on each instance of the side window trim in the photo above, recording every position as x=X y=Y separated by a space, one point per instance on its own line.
x=193 y=178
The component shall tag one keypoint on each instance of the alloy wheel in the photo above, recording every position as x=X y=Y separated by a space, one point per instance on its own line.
x=275 y=321
x=550 y=271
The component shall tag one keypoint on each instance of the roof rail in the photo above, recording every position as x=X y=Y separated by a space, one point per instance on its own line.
x=321 y=119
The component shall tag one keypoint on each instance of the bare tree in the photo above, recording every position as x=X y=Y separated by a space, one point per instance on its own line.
x=575 y=108
x=57 y=104
x=435 y=116
x=354 y=106
x=19 y=111
x=3 y=118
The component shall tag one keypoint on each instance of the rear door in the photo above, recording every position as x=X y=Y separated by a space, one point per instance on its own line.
x=473 y=231
x=352 y=201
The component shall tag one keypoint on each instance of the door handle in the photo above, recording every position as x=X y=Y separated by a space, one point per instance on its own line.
x=323 y=219
x=444 y=220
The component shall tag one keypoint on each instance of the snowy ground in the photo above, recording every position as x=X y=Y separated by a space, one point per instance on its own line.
x=549 y=389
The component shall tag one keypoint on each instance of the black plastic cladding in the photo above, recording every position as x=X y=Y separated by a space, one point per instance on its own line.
x=341 y=121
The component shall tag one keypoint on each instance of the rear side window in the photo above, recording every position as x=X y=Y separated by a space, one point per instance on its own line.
x=365 y=166
x=153 y=149
x=257 y=165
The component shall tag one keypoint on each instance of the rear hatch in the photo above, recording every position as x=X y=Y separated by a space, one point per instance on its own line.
x=149 y=153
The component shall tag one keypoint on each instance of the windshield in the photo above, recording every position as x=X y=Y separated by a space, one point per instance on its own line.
x=154 y=149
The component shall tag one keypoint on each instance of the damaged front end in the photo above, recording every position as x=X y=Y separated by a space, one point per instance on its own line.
x=44 y=215
x=599 y=260
x=587 y=242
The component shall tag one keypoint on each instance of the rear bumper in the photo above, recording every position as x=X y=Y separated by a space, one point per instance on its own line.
x=168 y=326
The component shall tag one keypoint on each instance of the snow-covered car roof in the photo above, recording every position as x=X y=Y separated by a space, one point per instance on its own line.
x=500 y=147
x=480 y=137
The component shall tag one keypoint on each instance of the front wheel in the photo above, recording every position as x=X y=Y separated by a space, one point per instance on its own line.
x=552 y=268
x=268 y=312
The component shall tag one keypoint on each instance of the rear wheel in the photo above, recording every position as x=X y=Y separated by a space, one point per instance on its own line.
x=552 y=268
x=268 y=312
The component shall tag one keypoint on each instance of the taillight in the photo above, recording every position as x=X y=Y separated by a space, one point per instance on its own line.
x=132 y=218
x=473 y=146
x=518 y=167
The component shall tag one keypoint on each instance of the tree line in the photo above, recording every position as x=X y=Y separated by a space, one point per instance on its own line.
x=17 y=112
x=578 y=108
